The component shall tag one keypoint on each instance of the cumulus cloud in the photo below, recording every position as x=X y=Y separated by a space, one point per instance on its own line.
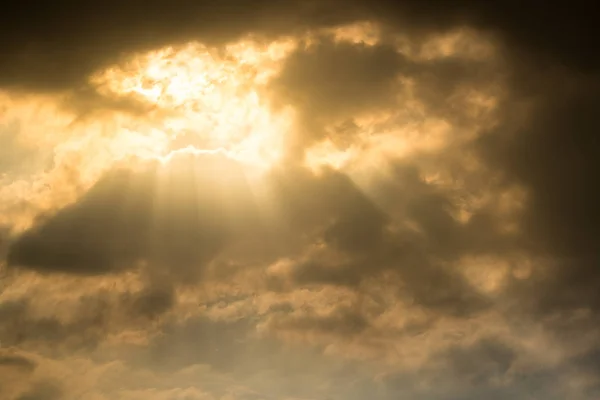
x=425 y=224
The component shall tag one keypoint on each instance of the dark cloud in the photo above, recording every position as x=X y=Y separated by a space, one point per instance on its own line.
x=153 y=301
x=347 y=218
x=87 y=102
x=328 y=81
x=360 y=242
x=16 y=361
x=555 y=155
x=43 y=391
x=544 y=141
x=553 y=151
x=333 y=83
x=21 y=328
x=329 y=77
x=481 y=362
x=550 y=151
x=556 y=33
x=131 y=217
x=171 y=221
x=91 y=319
x=57 y=45
x=181 y=214
x=124 y=219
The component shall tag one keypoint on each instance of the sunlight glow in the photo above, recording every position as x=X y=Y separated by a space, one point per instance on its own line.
x=208 y=99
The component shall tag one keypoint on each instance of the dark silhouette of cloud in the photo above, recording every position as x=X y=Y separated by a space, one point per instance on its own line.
x=17 y=361
x=43 y=391
x=181 y=214
x=177 y=223
x=554 y=154
x=57 y=45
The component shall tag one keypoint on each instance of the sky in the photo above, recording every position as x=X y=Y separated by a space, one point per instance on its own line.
x=299 y=200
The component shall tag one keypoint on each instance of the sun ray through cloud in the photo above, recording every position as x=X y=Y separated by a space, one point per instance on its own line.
x=298 y=200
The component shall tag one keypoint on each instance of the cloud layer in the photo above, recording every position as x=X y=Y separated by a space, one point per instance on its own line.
x=429 y=231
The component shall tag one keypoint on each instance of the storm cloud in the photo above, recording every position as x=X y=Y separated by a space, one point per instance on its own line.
x=423 y=225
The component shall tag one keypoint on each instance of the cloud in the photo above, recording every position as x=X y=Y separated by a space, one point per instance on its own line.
x=486 y=360
x=148 y=215
x=330 y=81
x=354 y=239
x=62 y=54
x=17 y=361
x=43 y=50
x=451 y=253
x=551 y=152
x=91 y=314
x=335 y=83
x=42 y=391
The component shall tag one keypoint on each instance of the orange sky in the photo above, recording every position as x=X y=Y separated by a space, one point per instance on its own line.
x=297 y=201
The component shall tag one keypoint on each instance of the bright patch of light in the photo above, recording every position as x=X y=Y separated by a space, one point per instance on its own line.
x=208 y=99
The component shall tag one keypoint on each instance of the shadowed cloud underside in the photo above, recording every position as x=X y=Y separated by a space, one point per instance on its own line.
x=299 y=200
